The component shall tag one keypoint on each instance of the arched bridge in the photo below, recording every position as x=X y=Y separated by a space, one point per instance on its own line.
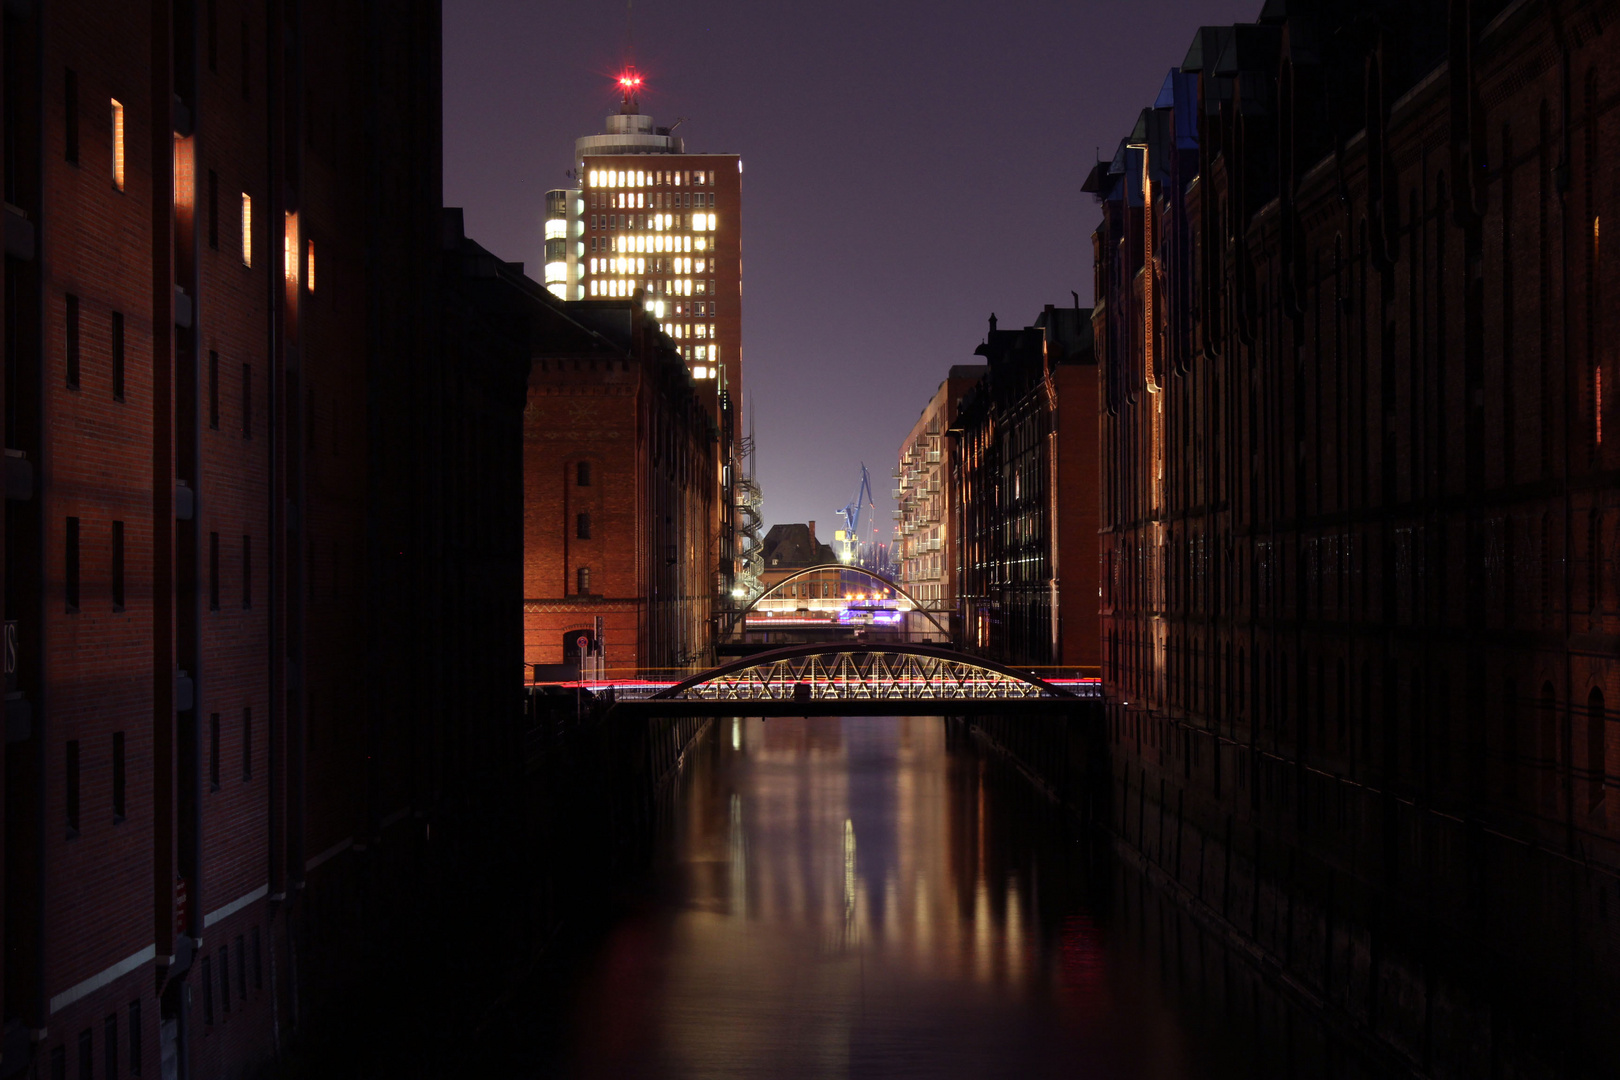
x=875 y=679
x=777 y=592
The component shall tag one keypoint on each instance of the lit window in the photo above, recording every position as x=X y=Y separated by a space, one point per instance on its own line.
x=117 y=144
x=309 y=281
x=641 y=266
x=595 y=178
x=247 y=229
x=641 y=201
x=641 y=178
x=289 y=250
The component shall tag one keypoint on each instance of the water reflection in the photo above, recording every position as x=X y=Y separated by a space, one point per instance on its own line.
x=853 y=897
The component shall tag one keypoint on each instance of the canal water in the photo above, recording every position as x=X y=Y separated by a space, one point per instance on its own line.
x=874 y=897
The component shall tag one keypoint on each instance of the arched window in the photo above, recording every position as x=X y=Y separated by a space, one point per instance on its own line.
x=582 y=526
x=582 y=580
x=1596 y=757
x=1547 y=746
x=582 y=474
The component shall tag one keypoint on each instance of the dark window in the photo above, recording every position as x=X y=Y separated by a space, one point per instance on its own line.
x=135 y=1038
x=118 y=565
x=87 y=1060
x=583 y=580
x=213 y=571
x=225 y=976
x=70 y=571
x=1596 y=758
x=213 y=35
x=71 y=326
x=582 y=527
x=208 y=990
x=213 y=752
x=241 y=968
x=70 y=101
x=58 y=1063
x=247 y=572
x=213 y=211
x=71 y=785
x=118 y=356
x=213 y=389
x=258 y=966
x=247 y=747
x=109 y=1047
x=118 y=776
x=247 y=401
x=582 y=474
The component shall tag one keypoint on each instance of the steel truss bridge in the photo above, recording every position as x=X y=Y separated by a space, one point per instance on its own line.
x=857 y=680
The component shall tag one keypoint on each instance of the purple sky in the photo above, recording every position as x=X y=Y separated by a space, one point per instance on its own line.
x=908 y=169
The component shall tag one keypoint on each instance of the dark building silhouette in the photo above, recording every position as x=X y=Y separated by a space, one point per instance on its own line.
x=1359 y=599
x=261 y=560
x=1023 y=463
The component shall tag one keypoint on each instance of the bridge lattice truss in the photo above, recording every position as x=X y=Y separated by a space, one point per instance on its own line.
x=866 y=674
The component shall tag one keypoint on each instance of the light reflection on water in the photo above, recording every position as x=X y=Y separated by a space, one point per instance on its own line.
x=850 y=897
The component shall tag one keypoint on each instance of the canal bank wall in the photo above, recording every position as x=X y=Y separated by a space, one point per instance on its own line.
x=1407 y=933
x=446 y=923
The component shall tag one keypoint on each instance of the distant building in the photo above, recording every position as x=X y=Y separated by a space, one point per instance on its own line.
x=619 y=452
x=647 y=219
x=1024 y=435
x=924 y=529
x=792 y=548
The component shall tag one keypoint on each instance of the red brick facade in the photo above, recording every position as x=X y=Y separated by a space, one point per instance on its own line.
x=224 y=585
x=620 y=483
x=1358 y=595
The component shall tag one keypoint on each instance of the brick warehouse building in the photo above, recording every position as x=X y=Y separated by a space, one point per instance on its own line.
x=251 y=510
x=621 y=475
x=1359 y=605
x=1023 y=465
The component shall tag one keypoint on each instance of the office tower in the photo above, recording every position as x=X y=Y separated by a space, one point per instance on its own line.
x=649 y=219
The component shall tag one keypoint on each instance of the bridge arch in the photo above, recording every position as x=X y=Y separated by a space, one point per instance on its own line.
x=848 y=569
x=823 y=672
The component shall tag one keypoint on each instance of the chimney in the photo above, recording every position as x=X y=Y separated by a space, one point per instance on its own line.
x=812 y=532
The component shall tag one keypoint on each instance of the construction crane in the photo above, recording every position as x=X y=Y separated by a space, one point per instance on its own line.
x=870 y=556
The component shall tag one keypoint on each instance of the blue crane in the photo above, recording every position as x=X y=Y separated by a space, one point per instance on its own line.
x=849 y=536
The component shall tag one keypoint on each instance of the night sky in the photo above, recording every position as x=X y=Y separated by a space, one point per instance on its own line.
x=908 y=169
